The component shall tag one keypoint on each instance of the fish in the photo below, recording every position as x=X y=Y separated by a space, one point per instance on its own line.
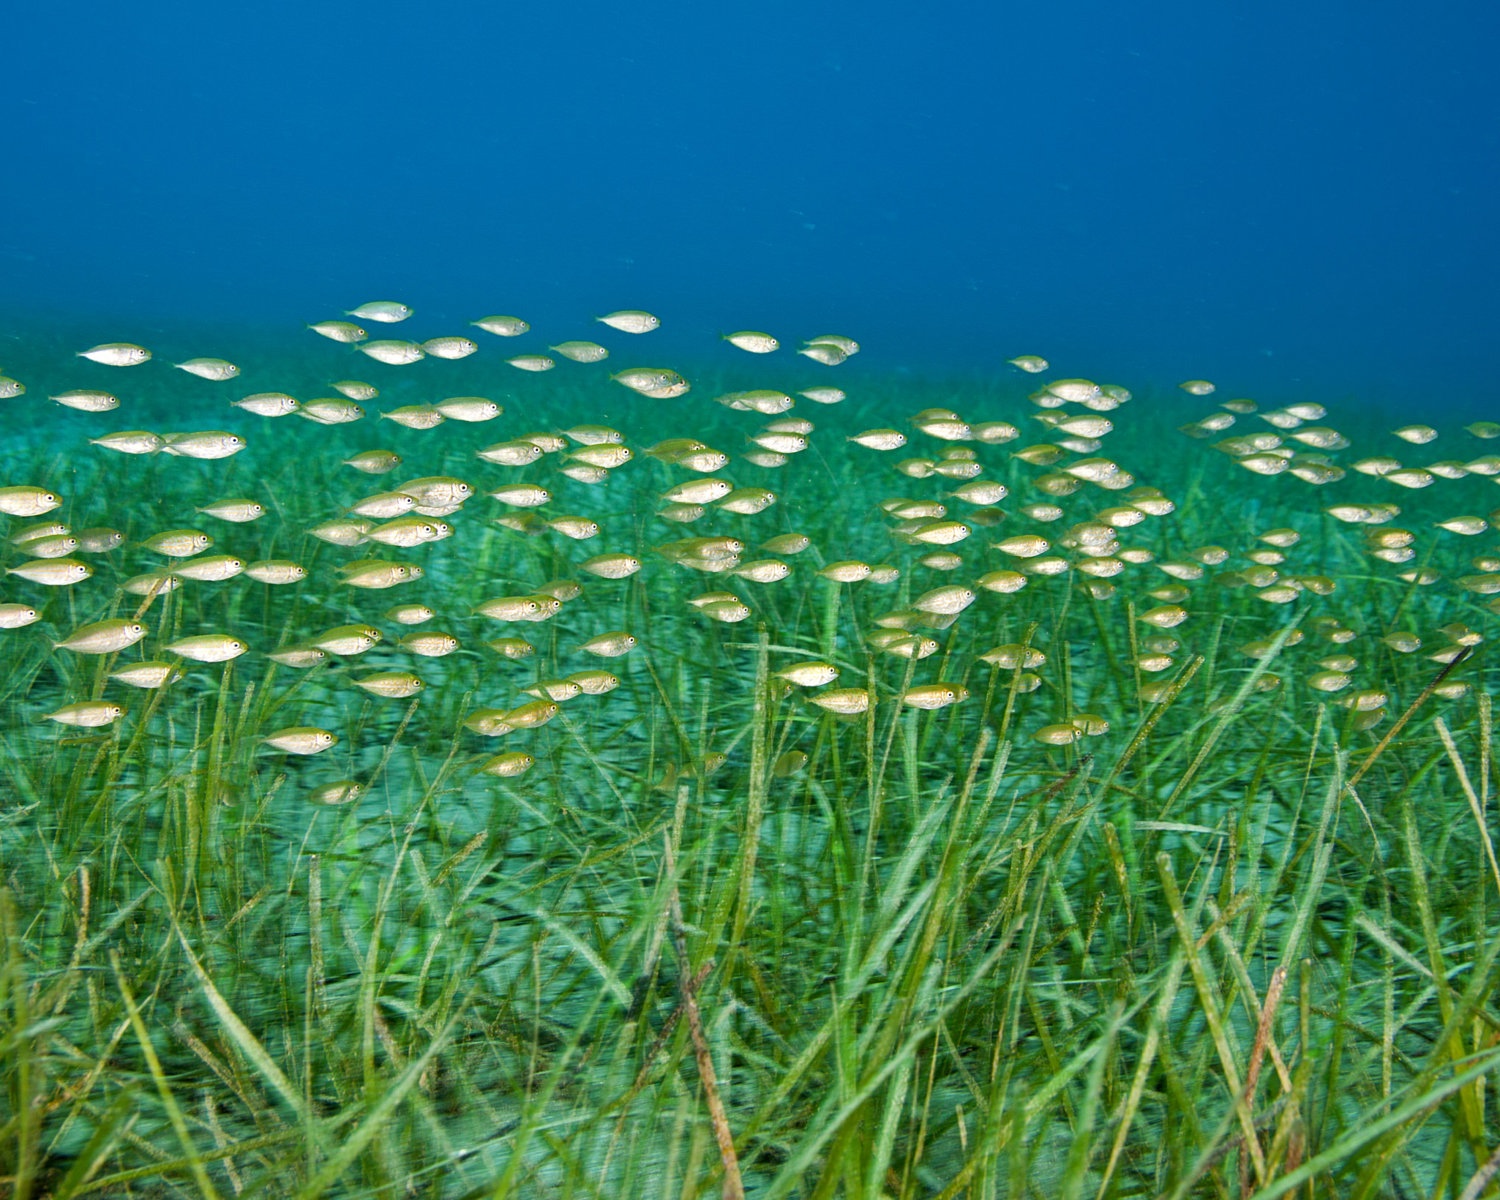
x=879 y=439
x=268 y=404
x=813 y=673
x=207 y=647
x=393 y=351
x=659 y=383
x=89 y=400
x=354 y=389
x=130 y=441
x=52 y=572
x=531 y=362
x=387 y=312
x=374 y=462
x=89 y=714
x=631 y=320
x=340 y=331
x=216 y=370
x=24 y=500
x=238 y=510
x=148 y=674
x=752 y=341
x=470 y=409
x=203 y=444
x=178 y=543
x=374 y=573
x=508 y=765
x=844 y=702
x=502 y=326
x=428 y=643
x=276 y=571
x=214 y=568
x=450 y=347
x=581 y=352
x=341 y=791
x=17 y=616
x=614 y=644
x=117 y=354
x=611 y=566
x=348 y=639
x=394 y=685
x=933 y=696
x=103 y=637
x=415 y=416
x=301 y=739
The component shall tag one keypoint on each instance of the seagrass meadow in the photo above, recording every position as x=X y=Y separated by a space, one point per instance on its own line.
x=485 y=768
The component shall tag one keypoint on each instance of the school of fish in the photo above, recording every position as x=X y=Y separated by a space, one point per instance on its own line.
x=1079 y=523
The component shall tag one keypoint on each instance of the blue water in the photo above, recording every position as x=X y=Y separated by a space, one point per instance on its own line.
x=1292 y=199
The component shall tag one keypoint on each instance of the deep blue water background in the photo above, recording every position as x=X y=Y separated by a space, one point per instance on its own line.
x=1292 y=199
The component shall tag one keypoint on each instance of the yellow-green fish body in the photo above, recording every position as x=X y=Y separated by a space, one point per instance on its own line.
x=348 y=639
x=237 y=510
x=268 y=404
x=450 y=347
x=87 y=400
x=374 y=462
x=203 y=444
x=581 y=352
x=340 y=331
x=103 y=637
x=301 y=739
x=215 y=370
x=130 y=441
x=531 y=362
x=152 y=673
x=429 y=644
x=355 y=389
x=178 y=543
x=613 y=644
x=214 y=568
x=117 y=354
x=414 y=416
x=207 y=647
x=752 y=341
x=520 y=608
x=502 y=326
x=508 y=765
x=631 y=320
x=276 y=571
x=394 y=685
x=53 y=572
x=377 y=574
x=393 y=351
x=387 y=312
x=90 y=714
x=26 y=501
x=330 y=410
x=469 y=409
x=405 y=532
x=611 y=566
x=17 y=616
x=595 y=682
